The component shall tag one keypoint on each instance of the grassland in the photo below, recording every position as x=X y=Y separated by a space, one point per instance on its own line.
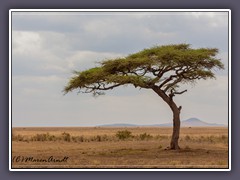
x=100 y=147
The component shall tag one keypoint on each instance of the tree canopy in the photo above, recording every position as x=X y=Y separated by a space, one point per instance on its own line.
x=163 y=67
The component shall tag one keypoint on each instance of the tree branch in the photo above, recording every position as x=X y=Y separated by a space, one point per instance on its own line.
x=181 y=92
x=100 y=86
x=172 y=84
x=173 y=93
x=167 y=80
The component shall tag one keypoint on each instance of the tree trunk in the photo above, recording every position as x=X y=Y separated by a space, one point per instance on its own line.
x=176 y=117
x=176 y=127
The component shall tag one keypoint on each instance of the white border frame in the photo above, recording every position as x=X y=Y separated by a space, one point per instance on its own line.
x=119 y=10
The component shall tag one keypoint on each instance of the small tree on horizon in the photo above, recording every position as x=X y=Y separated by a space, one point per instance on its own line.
x=160 y=68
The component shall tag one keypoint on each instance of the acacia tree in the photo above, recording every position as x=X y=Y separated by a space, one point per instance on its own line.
x=161 y=68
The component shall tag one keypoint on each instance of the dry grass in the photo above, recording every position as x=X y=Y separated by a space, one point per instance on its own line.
x=101 y=148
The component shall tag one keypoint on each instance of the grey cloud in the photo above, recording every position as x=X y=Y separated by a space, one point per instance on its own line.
x=126 y=33
x=47 y=48
x=55 y=23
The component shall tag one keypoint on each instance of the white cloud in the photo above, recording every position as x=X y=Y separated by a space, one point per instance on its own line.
x=46 y=48
x=55 y=68
x=29 y=87
x=36 y=79
x=81 y=60
x=25 y=42
x=208 y=100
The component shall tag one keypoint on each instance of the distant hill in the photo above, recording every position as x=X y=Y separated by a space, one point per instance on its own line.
x=192 y=122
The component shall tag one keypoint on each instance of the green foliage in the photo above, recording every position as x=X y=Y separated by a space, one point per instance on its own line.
x=122 y=135
x=145 y=136
x=163 y=66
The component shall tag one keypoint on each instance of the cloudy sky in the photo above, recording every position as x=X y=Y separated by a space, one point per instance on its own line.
x=48 y=46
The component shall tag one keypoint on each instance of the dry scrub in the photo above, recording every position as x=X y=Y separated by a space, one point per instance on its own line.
x=121 y=147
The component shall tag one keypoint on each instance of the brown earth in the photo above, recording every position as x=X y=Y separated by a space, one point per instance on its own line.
x=98 y=147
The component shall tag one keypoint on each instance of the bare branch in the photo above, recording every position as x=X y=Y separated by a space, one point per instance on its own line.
x=181 y=92
x=110 y=87
x=173 y=93
x=172 y=84
x=167 y=80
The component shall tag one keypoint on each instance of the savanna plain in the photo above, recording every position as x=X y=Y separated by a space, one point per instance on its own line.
x=115 y=147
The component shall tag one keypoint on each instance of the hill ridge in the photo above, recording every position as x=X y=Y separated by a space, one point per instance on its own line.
x=191 y=122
